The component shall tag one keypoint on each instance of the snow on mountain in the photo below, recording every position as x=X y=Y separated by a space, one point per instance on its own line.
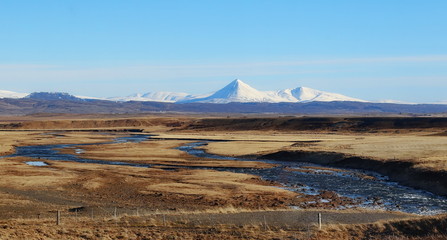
x=133 y=97
x=89 y=98
x=393 y=101
x=9 y=94
x=440 y=102
x=237 y=91
x=305 y=94
x=154 y=97
x=166 y=96
x=286 y=95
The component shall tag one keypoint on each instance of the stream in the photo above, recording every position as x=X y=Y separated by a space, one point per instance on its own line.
x=369 y=189
x=51 y=152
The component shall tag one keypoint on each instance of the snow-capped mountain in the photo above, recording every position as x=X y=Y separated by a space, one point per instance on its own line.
x=9 y=94
x=305 y=94
x=238 y=91
x=154 y=97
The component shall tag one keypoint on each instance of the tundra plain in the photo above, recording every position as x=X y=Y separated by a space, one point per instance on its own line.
x=177 y=198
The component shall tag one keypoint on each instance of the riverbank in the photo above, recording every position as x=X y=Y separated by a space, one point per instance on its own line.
x=415 y=159
x=403 y=172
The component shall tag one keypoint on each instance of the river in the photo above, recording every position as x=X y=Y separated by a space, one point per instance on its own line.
x=369 y=189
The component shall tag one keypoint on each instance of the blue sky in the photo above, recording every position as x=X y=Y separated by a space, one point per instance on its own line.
x=371 y=49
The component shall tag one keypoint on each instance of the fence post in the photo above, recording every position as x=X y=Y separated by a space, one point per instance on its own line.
x=265 y=224
x=58 y=217
x=308 y=231
x=164 y=220
x=114 y=212
x=319 y=221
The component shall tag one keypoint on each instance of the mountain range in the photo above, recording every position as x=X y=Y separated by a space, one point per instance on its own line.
x=235 y=92
x=238 y=91
x=236 y=97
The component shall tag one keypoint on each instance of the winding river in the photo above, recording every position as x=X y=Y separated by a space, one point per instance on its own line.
x=369 y=189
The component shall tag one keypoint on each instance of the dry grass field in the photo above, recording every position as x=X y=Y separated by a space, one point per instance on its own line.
x=425 y=150
x=212 y=225
x=160 y=152
x=30 y=195
x=65 y=185
x=415 y=158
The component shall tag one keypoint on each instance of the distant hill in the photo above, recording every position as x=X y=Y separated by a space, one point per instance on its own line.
x=236 y=97
x=74 y=105
x=53 y=96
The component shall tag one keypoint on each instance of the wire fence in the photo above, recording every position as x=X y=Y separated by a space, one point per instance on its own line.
x=262 y=220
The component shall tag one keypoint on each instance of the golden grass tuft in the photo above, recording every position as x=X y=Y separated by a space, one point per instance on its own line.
x=421 y=228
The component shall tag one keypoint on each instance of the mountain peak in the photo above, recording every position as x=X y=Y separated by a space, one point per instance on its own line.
x=236 y=91
x=237 y=83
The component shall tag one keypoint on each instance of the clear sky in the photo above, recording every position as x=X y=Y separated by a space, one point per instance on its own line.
x=369 y=49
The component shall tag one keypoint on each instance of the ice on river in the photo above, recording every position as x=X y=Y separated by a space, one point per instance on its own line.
x=36 y=163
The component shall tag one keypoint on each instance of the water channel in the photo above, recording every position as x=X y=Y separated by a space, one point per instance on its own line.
x=368 y=188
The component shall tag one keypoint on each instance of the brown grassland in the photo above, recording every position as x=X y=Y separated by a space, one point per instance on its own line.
x=172 y=200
